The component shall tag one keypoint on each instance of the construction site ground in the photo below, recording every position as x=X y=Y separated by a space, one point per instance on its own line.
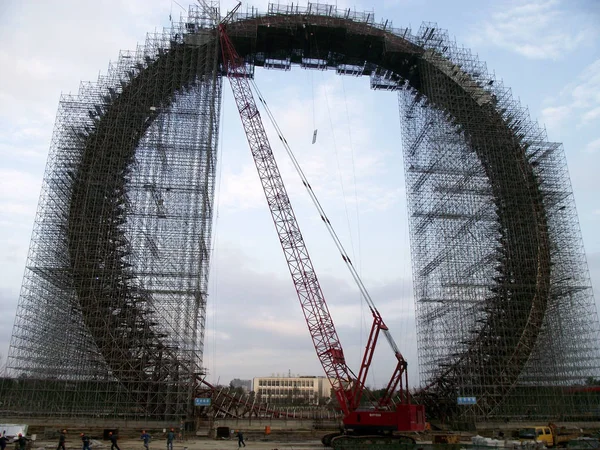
x=254 y=439
x=192 y=444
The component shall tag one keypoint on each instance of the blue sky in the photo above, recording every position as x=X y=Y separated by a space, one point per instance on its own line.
x=548 y=51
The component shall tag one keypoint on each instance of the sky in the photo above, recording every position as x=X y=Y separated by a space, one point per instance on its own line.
x=547 y=51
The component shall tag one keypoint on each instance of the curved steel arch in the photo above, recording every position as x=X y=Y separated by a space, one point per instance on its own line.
x=135 y=352
x=106 y=282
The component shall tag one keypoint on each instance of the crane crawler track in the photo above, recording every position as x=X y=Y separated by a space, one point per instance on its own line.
x=396 y=442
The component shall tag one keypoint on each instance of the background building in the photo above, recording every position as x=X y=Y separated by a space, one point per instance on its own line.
x=307 y=390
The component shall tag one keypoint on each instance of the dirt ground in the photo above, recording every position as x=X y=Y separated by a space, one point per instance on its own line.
x=192 y=444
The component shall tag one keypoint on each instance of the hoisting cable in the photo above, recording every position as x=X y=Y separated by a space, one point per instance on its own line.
x=314 y=38
x=339 y=171
x=363 y=290
x=214 y=246
x=312 y=85
x=353 y=169
x=316 y=43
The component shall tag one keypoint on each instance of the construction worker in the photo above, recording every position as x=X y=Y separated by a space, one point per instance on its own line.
x=241 y=439
x=21 y=442
x=113 y=441
x=61 y=440
x=170 y=439
x=86 y=441
x=146 y=438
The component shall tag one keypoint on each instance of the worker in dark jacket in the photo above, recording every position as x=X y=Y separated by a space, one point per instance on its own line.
x=146 y=438
x=21 y=442
x=113 y=441
x=86 y=441
x=170 y=439
x=61 y=440
x=3 y=442
x=241 y=439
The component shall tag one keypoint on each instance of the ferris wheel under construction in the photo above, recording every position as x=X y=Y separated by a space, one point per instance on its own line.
x=121 y=242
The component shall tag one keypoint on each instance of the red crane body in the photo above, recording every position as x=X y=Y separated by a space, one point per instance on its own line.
x=384 y=414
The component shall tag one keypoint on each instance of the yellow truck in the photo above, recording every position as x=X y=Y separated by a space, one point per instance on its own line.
x=550 y=435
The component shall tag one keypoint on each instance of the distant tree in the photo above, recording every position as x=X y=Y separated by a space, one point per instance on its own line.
x=376 y=394
x=236 y=390
x=324 y=401
x=591 y=381
x=334 y=400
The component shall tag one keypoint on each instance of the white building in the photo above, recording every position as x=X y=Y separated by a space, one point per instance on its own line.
x=308 y=390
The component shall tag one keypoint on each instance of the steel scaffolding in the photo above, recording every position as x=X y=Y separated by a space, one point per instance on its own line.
x=110 y=321
x=505 y=310
x=111 y=316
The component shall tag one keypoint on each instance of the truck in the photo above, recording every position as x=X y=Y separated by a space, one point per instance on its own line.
x=550 y=435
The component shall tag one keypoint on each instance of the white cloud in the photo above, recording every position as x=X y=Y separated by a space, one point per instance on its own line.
x=18 y=193
x=277 y=326
x=590 y=116
x=540 y=29
x=586 y=91
x=241 y=190
x=578 y=102
x=345 y=164
x=553 y=116
x=593 y=146
x=212 y=333
x=265 y=329
x=344 y=167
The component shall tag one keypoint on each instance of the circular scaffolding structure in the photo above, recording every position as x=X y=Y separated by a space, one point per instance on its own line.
x=487 y=199
x=333 y=42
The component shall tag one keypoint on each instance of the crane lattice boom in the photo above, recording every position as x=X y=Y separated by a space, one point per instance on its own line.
x=316 y=312
x=348 y=388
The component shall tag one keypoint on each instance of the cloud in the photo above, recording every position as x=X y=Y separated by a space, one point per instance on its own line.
x=241 y=190
x=591 y=116
x=277 y=326
x=540 y=29
x=212 y=333
x=18 y=193
x=578 y=102
x=347 y=162
x=553 y=116
x=593 y=146
x=585 y=92
x=265 y=331
x=344 y=167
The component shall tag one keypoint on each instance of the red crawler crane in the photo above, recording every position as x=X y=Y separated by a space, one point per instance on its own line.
x=382 y=416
